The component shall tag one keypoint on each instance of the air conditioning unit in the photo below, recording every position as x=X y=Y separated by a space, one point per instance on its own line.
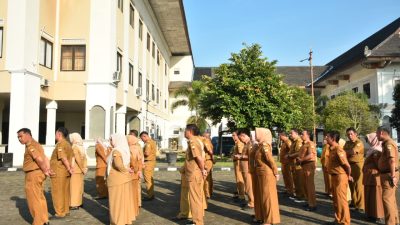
x=139 y=91
x=44 y=83
x=117 y=76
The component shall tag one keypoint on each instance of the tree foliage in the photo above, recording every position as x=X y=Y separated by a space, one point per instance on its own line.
x=395 y=118
x=250 y=93
x=349 y=110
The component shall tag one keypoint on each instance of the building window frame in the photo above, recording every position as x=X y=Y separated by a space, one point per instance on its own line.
x=130 y=74
x=153 y=94
x=131 y=16
x=355 y=89
x=74 y=49
x=45 y=52
x=1 y=41
x=119 y=62
x=121 y=5
x=153 y=50
x=148 y=42
x=158 y=57
x=140 y=80
x=158 y=96
x=140 y=29
x=367 y=89
x=147 y=89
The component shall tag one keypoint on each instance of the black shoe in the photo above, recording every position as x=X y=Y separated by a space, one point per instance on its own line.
x=148 y=199
x=190 y=222
x=247 y=208
x=74 y=208
x=311 y=209
x=46 y=223
x=176 y=218
x=306 y=205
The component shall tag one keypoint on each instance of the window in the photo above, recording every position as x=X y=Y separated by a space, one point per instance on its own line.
x=153 y=97
x=73 y=57
x=130 y=74
x=158 y=96
x=153 y=50
x=176 y=71
x=396 y=82
x=166 y=69
x=46 y=53
x=148 y=42
x=158 y=57
x=140 y=80
x=121 y=5
x=147 y=89
x=367 y=90
x=1 y=42
x=355 y=90
x=165 y=103
x=140 y=30
x=119 y=62
x=131 y=16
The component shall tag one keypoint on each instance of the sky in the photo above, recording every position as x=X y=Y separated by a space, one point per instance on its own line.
x=286 y=29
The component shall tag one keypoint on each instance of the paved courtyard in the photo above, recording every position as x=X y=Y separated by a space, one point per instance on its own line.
x=221 y=208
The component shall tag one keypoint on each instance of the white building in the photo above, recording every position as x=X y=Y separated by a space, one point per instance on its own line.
x=96 y=67
x=372 y=67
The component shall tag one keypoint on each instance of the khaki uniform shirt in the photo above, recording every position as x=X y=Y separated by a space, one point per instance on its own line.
x=389 y=150
x=357 y=147
x=264 y=161
x=32 y=151
x=295 y=149
x=308 y=148
x=150 y=150
x=208 y=145
x=101 y=155
x=285 y=149
x=244 y=162
x=337 y=158
x=325 y=155
x=62 y=150
x=195 y=149
x=238 y=148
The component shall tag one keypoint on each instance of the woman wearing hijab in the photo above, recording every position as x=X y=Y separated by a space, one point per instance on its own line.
x=268 y=175
x=119 y=182
x=102 y=153
x=79 y=164
x=372 y=181
x=136 y=166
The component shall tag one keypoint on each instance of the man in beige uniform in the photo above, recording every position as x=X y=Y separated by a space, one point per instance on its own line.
x=285 y=163
x=195 y=173
x=208 y=164
x=136 y=134
x=60 y=163
x=297 y=171
x=149 y=152
x=355 y=155
x=237 y=152
x=36 y=167
x=245 y=137
x=388 y=165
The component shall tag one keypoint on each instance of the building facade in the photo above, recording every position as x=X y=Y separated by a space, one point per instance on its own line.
x=96 y=67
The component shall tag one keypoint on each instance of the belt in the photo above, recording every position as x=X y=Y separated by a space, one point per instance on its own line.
x=149 y=160
x=32 y=170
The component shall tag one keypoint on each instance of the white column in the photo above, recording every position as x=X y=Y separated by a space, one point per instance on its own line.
x=51 y=122
x=1 y=121
x=120 y=123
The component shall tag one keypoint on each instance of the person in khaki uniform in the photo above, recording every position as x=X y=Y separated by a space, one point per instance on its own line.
x=36 y=168
x=79 y=163
x=184 y=204
x=258 y=209
x=324 y=163
x=119 y=182
x=297 y=171
x=244 y=136
x=60 y=164
x=307 y=159
x=355 y=155
x=237 y=152
x=372 y=180
x=102 y=152
x=136 y=167
x=340 y=171
x=388 y=165
x=195 y=173
x=285 y=163
x=149 y=152
x=139 y=187
x=267 y=173
x=208 y=149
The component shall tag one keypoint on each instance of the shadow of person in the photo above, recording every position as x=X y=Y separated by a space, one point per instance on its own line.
x=22 y=206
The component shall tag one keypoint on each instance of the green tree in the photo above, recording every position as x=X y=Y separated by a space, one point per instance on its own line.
x=395 y=118
x=189 y=96
x=250 y=93
x=349 y=110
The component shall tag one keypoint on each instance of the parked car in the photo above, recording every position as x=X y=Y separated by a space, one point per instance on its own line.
x=227 y=145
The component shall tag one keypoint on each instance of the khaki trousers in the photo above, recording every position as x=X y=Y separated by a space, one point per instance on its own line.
x=389 y=200
x=196 y=198
x=148 y=177
x=287 y=178
x=184 y=205
x=101 y=185
x=239 y=180
x=357 y=187
x=60 y=193
x=327 y=180
x=258 y=213
x=248 y=188
x=34 y=183
x=298 y=177
x=208 y=182
x=76 y=189
x=339 y=196
x=309 y=186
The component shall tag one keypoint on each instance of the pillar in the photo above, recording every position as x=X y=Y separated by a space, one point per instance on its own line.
x=51 y=107
x=1 y=122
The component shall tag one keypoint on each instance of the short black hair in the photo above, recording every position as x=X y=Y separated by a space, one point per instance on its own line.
x=307 y=131
x=282 y=133
x=295 y=130
x=351 y=129
x=193 y=127
x=245 y=131
x=25 y=131
x=63 y=131
x=335 y=135
x=134 y=133
x=144 y=132
x=384 y=129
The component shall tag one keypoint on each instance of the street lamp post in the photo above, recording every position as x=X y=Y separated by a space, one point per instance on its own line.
x=309 y=59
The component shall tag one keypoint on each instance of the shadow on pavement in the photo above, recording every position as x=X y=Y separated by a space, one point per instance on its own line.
x=22 y=206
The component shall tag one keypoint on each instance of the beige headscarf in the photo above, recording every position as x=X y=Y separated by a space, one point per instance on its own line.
x=341 y=142
x=263 y=135
x=119 y=143
x=375 y=144
x=77 y=141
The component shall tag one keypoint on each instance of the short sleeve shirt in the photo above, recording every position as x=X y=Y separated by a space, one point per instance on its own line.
x=32 y=151
x=62 y=150
x=337 y=159
x=195 y=149
x=389 y=150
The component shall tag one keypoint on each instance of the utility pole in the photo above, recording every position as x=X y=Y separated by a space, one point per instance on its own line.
x=312 y=95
